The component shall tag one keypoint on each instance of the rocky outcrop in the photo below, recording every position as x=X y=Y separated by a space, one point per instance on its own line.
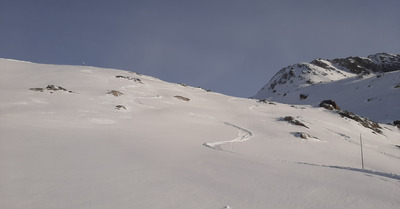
x=119 y=107
x=329 y=104
x=182 y=98
x=304 y=135
x=129 y=78
x=367 y=123
x=51 y=88
x=381 y=62
x=303 y=96
x=115 y=93
x=293 y=121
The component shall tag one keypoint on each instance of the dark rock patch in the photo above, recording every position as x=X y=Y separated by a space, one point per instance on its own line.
x=329 y=104
x=367 y=123
x=115 y=93
x=51 y=88
x=37 y=89
x=119 y=107
x=304 y=135
x=182 y=98
x=266 y=101
x=130 y=78
x=397 y=123
x=291 y=120
x=303 y=96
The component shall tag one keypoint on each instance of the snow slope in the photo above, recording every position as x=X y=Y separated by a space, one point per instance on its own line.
x=168 y=145
x=367 y=86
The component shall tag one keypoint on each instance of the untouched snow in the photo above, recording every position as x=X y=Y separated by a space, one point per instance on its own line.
x=74 y=149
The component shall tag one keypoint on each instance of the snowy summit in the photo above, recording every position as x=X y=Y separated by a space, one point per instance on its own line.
x=86 y=137
x=369 y=86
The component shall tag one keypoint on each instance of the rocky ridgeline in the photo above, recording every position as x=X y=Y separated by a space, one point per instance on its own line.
x=367 y=123
x=377 y=63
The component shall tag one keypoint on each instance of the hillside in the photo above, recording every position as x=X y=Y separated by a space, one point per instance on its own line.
x=367 y=86
x=86 y=137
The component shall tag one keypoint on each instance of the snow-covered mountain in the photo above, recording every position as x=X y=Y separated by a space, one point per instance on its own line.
x=86 y=137
x=367 y=86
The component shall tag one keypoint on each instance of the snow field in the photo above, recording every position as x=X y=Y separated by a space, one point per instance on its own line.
x=76 y=150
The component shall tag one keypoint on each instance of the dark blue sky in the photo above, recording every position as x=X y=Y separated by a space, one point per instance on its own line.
x=229 y=46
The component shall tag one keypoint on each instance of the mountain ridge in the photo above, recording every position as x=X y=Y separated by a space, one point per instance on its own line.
x=359 y=84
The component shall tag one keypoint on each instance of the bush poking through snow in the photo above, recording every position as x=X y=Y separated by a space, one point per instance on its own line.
x=182 y=98
x=115 y=93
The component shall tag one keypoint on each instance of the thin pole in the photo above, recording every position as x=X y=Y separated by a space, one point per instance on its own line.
x=362 y=155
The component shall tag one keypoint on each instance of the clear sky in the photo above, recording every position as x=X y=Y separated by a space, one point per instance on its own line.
x=228 y=46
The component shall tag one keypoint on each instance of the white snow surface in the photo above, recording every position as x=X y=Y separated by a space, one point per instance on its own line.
x=73 y=149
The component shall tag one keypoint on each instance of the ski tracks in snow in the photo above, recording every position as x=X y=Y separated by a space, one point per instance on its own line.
x=243 y=135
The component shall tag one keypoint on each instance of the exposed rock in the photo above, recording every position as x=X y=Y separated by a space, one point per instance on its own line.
x=397 y=123
x=182 y=98
x=55 y=88
x=51 y=88
x=397 y=86
x=293 y=121
x=304 y=135
x=119 y=107
x=129 y=78
x=115 y=93
x=266 y=101
x=303 y=96
x=329 y=104
x=37 y=89
x=363 y=121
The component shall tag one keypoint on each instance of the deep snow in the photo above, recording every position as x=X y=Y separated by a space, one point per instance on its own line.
x=61 y=149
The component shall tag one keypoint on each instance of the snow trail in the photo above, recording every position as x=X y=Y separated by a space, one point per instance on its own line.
x=368 y=171
x=243 y=135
